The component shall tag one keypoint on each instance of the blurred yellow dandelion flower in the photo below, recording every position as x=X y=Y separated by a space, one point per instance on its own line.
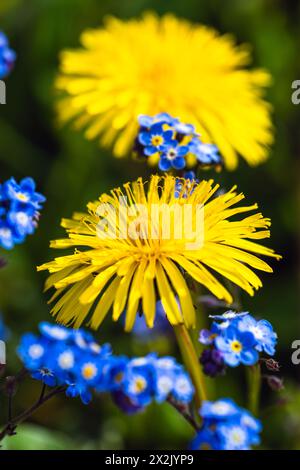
x=129 y=268
x=154 y=65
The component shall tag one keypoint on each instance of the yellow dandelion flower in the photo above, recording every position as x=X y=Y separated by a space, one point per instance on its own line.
x=154 y=65
x=140 y=242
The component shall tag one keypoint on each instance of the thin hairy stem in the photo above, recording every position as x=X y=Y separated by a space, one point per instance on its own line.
x=184 y=411
x=10 y=427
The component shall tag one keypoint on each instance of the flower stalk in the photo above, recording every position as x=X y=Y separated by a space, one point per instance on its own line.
x=254 y=384
x=191 y=361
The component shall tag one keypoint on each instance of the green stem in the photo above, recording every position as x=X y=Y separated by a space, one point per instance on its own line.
x=191 y=361
x=254 y=385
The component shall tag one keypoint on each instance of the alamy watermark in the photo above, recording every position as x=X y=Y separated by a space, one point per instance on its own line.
x=2 y=92
x=2 y=353
x=180 y=222
x=296 y=354
x=296 y=94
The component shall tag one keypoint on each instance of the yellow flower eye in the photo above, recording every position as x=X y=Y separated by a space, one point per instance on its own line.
x=205 y=446
x=22 y=197
x=140 y=384
x=119 y=377
x=157 y=140
x=89 y=371
x=236 y=346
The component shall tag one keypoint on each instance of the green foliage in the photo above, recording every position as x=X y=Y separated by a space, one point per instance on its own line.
x=31 y=437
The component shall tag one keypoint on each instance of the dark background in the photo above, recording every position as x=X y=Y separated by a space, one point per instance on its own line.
x=72 y=171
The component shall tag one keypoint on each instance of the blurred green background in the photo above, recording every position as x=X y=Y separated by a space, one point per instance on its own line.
x=72 y=171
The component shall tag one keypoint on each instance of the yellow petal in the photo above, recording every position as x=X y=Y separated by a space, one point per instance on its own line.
x=180 y=286
x=122 y=292
x=134 y=296
x=149 y=304
x=167 y=297
x=97 y=285
x=105 y=303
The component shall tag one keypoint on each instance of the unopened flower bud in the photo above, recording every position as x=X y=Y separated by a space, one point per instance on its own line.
x=275 y=383
x=212 y=362
x=271 y=364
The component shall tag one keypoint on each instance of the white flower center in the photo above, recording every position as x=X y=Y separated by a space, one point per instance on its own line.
x=165 y=363
x=221 y=408
x=258 y=334
x=36 y=351
x=95 y=348
x=182 y=385
x=165 y=384
x=139 y=361
x=224 y=325
x=171 y=154
x=80 y=341
x=5 y=233
x=57 y=333
x=66 y=360
x=249 y=422
x=237 y=436
x=22 y=218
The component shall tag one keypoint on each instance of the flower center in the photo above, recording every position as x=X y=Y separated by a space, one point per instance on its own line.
x=165 y=384
x=157 y=140
x=4 y=233
x=166 y=363
x=58 y=333
x=66 y=360
x=221 y=408
x=36 y=351
x=140 y=385
x=119 y=377
x=22 y=218
x=171 y=154
x=236 y=346
x=237 y=436
x=89 y=371
x=183 y=386
x=205 y=446
x=258 y=334
x=95 y=348
x=22 y=197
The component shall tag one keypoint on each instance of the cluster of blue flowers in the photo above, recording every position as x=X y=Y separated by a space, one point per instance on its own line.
x=7 y=56
x=173 y=141
x=235 y=338
x=72 y=358
x=226 y=427
x=19 y=211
